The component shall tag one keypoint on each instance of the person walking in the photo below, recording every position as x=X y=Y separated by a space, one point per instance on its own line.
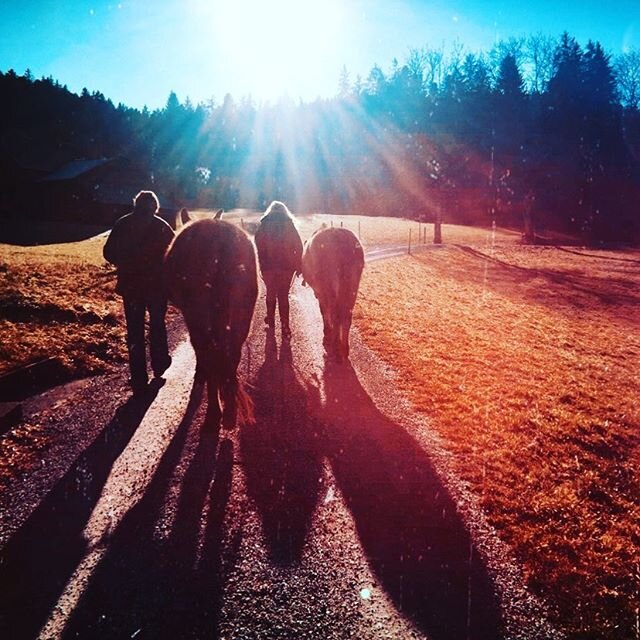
x=279 y=254
x=136 y=246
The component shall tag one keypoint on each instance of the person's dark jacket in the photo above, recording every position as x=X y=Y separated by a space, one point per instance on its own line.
x=136 y=246
x=279 y=244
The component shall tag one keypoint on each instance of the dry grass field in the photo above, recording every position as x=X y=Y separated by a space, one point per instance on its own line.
x=58 y=300
x=526 y=360
x=381 y=231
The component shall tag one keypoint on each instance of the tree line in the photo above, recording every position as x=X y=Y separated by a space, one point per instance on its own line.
x=538 y=126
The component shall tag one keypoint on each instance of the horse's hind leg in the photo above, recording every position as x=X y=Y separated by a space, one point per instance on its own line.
x=229 y=389
x=345 y=328
x=214 y=411
x=330 y=339
x=342 y=347
x=326 y=337
x=200 y=343
x=229 y=392
x=339 y=348
x=202 y=370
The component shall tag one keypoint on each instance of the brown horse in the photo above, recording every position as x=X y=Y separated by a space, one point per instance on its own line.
x=210 y=271
x=332 y=264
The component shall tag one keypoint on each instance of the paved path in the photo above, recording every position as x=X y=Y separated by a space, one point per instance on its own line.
x=333 y=516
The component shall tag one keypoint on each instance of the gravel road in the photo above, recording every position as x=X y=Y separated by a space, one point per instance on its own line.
x=336 y=515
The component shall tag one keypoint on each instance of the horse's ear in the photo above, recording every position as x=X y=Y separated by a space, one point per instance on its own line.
x=184 y=216
x=218 y=214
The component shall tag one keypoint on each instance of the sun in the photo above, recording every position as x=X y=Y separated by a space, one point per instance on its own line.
x=278 y=47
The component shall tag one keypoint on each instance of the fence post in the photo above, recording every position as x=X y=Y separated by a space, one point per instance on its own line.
x=437 y=227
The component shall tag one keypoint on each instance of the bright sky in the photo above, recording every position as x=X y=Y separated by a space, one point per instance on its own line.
x=136 y=51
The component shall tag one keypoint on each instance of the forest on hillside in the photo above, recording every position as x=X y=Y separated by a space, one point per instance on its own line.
x=539 y=125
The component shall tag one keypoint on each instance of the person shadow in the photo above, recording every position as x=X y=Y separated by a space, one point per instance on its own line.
x=151 y=585
x=281 y=455
x=38 y=560
x=407 y=522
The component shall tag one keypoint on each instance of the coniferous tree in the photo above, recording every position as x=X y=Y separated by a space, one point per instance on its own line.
x=344 y=83
x=570 y=134
x=604 y=154
x=509 y=82
x=566 y=86
x=599 y=78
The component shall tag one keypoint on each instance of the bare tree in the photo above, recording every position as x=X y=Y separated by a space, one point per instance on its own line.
x=453 y=76
x=538 y=61
x=476 y=73
x=416 y=62
x=454 y=59
x=627 y=70
x=433 y=59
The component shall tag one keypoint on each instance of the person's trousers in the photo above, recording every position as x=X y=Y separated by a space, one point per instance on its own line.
x=134 y=310
x=278 y=283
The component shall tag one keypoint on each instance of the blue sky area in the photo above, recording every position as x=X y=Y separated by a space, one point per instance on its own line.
x=136 y=52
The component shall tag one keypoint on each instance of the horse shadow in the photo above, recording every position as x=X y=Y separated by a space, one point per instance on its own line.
x=282 y=455
x=38 y=560
x=407 y=522
x=154 y=586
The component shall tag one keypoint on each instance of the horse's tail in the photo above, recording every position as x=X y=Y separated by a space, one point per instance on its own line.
x=245 y=406
x=348 y=281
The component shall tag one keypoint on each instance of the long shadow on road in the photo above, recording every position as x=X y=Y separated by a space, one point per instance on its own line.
x=39 y=559
x=407 y=521
x=151 y=585
x=282 y=455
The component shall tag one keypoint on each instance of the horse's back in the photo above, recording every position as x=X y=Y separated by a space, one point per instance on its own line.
x=210 y=255
x=333 y=260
